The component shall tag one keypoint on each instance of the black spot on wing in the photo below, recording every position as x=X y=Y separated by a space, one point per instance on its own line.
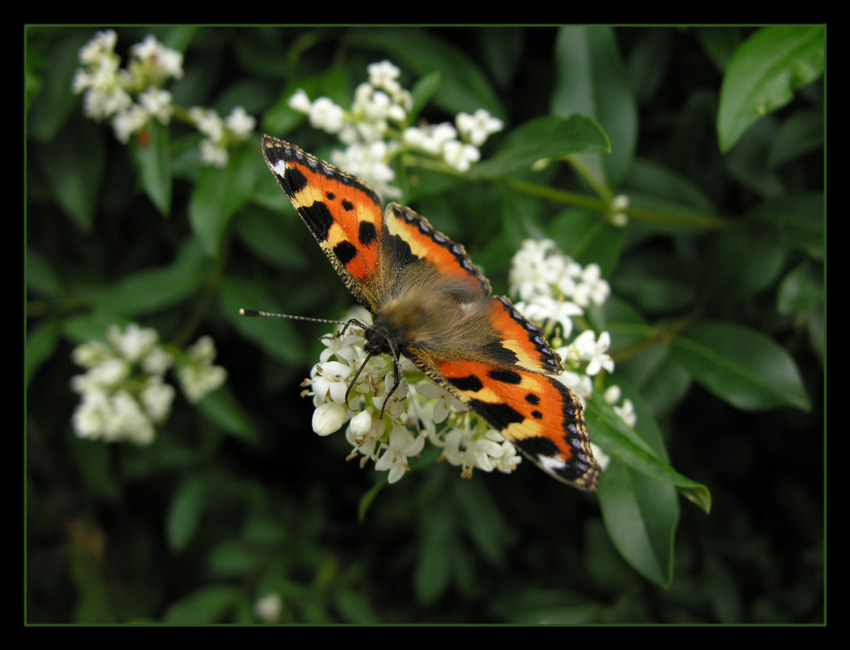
x=469 y=383
x=293 y=181
x=498 y=416
x=505 y=376
x=537 y=446
x=318 y=218
x=367 y=233
x=345 y=252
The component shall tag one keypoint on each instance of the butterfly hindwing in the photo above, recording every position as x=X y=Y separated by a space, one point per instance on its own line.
x=532 y=409
x=430 y=303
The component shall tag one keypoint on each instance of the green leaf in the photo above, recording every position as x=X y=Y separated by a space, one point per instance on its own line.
x=271 y=237
x=155 y=289
x=54 y=100
x=154 y=161
x=800 y=217
x=42 y=278
x=423 y=91
x=764 y=73
x=74 y=163
x=587 y=238
x=220 y=193
x=223 y=409
x=641 y=515
x=41 y=343
x=202 y=606
x=616 y=438
x=801 y=290
x=545 y=137
x=740 y=365
x=759 y=243
x=184 y=515
x=438 y=551
x=592 y=80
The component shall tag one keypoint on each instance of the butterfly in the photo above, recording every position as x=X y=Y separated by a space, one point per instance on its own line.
x=430 y=304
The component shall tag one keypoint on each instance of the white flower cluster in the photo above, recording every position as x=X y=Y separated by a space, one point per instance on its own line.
x=389 y=441
x=220 y=132
x=123 y=391
x=377 y=128
x=109 y=92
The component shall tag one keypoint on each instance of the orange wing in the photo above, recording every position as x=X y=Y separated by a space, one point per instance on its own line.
x=528 y=405
x=342 y=212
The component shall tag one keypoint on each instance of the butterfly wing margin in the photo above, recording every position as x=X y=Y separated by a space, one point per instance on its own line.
x=343 y=213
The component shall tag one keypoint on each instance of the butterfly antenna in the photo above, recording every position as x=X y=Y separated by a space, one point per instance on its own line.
x=266 y=314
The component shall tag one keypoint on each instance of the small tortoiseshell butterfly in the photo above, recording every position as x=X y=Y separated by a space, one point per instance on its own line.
x=430 y=304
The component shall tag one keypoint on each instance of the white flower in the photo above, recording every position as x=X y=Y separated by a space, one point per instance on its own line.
x=134 y=342
x=300 y=101
x=538 y=267
x=591 y=288
x=267 y=609
x=402 y=445
x=587 y=348
x=240 y=123
x=123 y=393
x=213 y=154
x=89 y=416
x=158 y=103
x=367 y=161
x=197 y=375
x=547 y=311
x=478 y=127
x=111 y=372
x=460 y=155
x=163 y=62
x=430 y=139
x=91 y=353
x=128 y=420
x=330 y=381
x=208 y=122
x=384 y=75
x=102 y=102
x=328 y=418
x=326 y=115
x=157 y=397
x=626 y=410
x=127 y=122
x=157 y=361
x=101 y=45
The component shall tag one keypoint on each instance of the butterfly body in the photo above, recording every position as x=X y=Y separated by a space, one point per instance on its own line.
x=432 y=305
